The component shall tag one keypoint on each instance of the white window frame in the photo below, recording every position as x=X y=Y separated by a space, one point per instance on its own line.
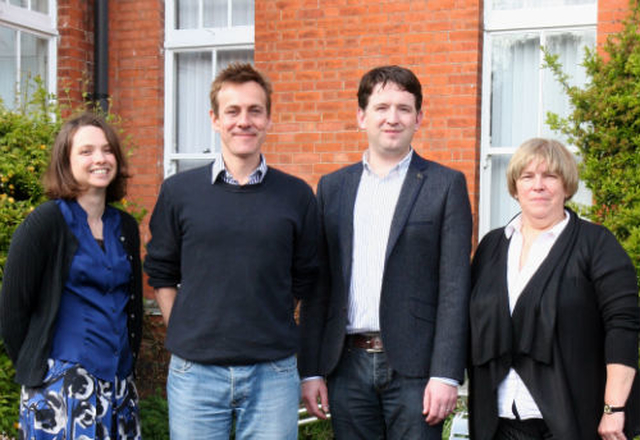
x=497 y=23
x=38 y=24
x=193 y=40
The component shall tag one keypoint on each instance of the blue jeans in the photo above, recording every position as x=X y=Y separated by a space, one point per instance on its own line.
x=370 y=401
x=204 y=400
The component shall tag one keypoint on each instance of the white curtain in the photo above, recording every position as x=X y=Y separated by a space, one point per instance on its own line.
x=215 y=13
x=519 y=107
x=242 y=13
x=8 y=66
x=187 y=14
x=570 y=46
x=33 y=61
x=193 y=130
x=514 y=88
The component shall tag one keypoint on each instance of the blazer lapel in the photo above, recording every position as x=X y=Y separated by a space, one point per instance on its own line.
x=410 y=188
x=347 y=199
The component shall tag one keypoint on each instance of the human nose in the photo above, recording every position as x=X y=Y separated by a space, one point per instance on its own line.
x=243 y=119
x=538 y=182
x=99 y=156
x=392 y=116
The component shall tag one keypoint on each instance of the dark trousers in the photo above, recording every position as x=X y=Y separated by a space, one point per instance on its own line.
x=369 y=401
x=533 y=429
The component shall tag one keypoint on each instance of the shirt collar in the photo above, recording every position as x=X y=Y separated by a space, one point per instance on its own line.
x=516 y=225
x=219 y=167
x=400 y=168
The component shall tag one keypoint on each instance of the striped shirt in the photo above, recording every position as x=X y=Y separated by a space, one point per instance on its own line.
x=219 y=168
x=372 y=215
x=512 y=392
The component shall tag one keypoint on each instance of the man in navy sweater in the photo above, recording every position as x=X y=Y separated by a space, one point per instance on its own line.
x=233 y=247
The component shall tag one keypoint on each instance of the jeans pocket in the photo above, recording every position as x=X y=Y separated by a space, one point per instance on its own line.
x=285 y=365
x=179 y=365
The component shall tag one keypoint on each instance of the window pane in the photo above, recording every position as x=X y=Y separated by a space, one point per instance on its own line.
x=8 y=66
x=187 y=14
x=503 y=206
x=21 y=3
x=215 y=13
x=522 y=4
x=570 y=46
x=193 y=78
x=184 y=164
x=514 y=89
x=40 y=6
x=226 y=57
x=33 y=62
x=242 y=13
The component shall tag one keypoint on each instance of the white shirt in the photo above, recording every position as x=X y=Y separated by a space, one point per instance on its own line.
x=512 y=389
x=372 y=215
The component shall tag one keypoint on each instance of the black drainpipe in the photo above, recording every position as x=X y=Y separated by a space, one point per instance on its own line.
x=101 y=55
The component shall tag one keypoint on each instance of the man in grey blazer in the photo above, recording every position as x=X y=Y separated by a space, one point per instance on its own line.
x=387 y=329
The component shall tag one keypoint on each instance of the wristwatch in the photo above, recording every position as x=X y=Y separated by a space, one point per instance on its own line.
x=608 y=409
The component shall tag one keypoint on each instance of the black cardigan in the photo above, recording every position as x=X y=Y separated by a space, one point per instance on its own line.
x=578 y=313
x=40 y=255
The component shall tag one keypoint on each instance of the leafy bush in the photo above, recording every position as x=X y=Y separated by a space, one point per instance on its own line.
x=605 y=127
x=25 y=137
x=154 y=417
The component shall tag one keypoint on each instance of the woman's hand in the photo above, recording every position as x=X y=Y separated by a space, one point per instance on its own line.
x=611 y=426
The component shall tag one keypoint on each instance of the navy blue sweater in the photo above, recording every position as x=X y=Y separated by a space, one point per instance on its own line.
x=241 y=256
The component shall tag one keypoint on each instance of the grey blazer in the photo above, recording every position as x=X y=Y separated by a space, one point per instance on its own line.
x=425 y=287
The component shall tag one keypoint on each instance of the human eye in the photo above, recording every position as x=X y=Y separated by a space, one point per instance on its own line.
x=526 y=176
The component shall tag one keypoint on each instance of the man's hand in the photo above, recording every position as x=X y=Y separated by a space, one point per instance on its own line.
x=314 y=391
x=439 y=401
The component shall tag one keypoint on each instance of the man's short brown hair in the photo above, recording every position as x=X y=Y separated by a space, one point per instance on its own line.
x=238 y=73
x=404 y=78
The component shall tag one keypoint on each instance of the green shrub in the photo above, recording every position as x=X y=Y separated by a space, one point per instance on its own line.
x=154 y=417
x=605 y=127
x=25 y=137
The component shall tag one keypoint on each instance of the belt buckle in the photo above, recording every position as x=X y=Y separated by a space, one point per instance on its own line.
x=376 y=345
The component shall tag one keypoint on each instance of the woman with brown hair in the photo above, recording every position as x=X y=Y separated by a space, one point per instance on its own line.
x=71 y=303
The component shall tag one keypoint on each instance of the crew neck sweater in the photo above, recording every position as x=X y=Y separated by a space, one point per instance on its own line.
x=241 y=256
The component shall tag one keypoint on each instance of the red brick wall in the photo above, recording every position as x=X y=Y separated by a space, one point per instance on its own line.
x=75 y=51
x=611 y=13
x=316 y=52
x=136 y=85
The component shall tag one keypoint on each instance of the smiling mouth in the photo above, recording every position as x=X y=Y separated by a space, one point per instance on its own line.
x=101 y=171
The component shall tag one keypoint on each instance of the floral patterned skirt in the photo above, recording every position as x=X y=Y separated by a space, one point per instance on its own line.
x=73 y=404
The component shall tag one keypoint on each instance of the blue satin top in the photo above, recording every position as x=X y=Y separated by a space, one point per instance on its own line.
x=91 y=327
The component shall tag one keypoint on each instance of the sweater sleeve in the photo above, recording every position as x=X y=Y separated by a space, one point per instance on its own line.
x=26 y=263
x=614 y=280
x=305 y=262
x=162 y=263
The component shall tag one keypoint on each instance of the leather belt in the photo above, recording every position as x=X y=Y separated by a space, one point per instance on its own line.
x=371 y=342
